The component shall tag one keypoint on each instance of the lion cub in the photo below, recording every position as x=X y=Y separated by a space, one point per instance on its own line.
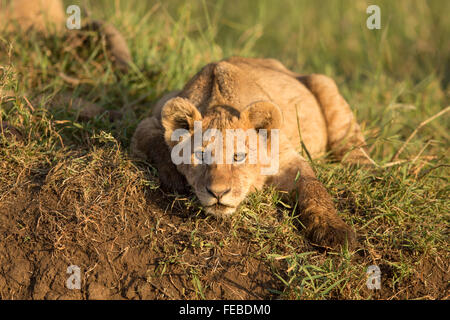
x=271 y=110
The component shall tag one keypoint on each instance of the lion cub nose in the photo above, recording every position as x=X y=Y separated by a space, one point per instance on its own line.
x=217 y=192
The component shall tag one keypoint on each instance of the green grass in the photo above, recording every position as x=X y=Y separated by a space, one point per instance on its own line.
x=394 y=79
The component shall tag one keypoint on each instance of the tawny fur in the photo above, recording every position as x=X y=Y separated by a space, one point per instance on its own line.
x=49 y=16
x=258 y=93
x=40 y=15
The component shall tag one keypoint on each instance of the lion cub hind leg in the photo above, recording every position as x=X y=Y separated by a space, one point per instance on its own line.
x=148 y=144
x=345 y=138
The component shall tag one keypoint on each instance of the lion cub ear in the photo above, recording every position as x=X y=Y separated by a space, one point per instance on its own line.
x=263 y=115
x=178 y=113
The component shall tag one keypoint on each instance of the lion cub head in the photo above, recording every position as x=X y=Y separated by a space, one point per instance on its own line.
x=224 y=154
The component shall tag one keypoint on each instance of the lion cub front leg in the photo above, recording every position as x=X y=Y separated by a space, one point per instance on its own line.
x=148 y=143
x=323 y=226
x=318 y=215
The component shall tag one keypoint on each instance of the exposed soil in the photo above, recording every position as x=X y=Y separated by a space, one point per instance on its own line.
x=121 y=241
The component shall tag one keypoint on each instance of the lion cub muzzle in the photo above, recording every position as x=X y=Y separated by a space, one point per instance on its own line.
x=218 y=189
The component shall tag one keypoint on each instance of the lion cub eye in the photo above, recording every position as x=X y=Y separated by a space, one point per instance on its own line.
x=240 y=157
x=199 y=155
x=204 y=156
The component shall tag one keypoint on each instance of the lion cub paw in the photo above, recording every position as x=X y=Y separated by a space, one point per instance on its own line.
x=172 y=180
x=331 y=234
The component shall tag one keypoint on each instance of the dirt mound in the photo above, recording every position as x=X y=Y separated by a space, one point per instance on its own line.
x=87 y=212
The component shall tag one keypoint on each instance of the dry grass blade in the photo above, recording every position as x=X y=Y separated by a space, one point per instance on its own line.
x=423 y=123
